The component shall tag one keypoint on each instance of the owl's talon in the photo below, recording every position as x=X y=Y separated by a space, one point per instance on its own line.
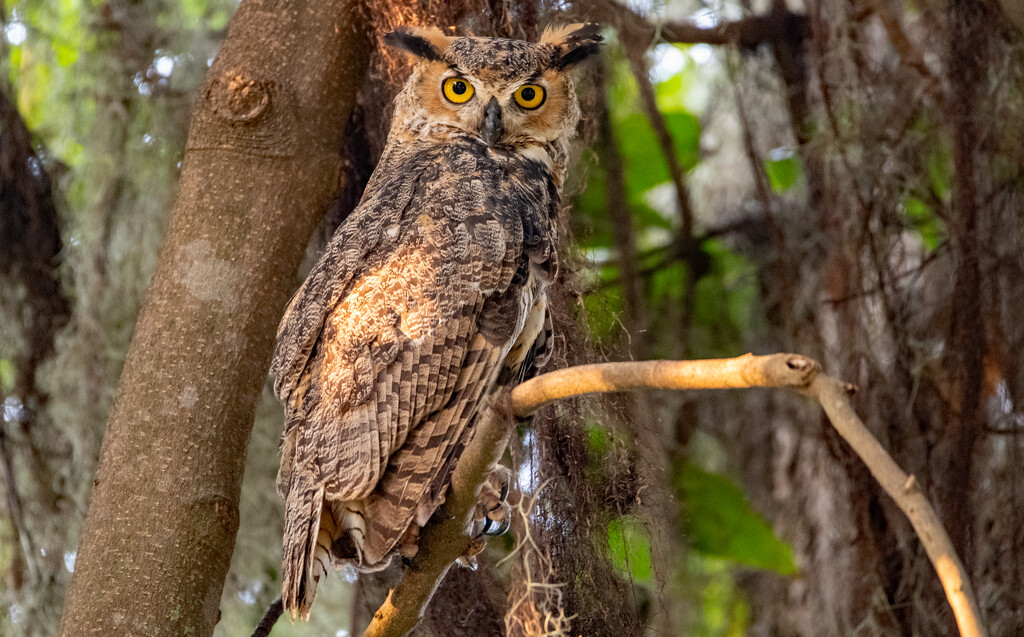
x=467 y=562
x=503 y=524
x=500 y=479
x=496 y=521
x=468 y=559
x=409 y=545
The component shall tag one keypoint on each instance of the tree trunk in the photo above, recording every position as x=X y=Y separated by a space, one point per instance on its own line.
x=261 y=165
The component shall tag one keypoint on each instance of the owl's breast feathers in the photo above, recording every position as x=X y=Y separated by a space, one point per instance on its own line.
x=401 y=332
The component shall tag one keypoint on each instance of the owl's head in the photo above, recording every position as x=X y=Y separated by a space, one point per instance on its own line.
x=507 y=93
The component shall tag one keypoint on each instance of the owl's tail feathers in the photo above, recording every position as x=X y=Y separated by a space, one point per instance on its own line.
x=308 y=533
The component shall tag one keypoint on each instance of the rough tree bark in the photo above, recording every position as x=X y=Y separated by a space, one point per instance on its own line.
x=261 y=166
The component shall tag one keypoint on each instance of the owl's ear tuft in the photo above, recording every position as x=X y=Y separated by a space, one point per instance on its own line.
x=573 y=43
x=424 y=42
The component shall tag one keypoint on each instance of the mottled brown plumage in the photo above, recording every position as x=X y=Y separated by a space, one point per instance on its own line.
x=428 y=300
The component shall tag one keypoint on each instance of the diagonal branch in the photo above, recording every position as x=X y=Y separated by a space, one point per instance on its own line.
x=905 y=490
x=445 y=538
x=441 y=542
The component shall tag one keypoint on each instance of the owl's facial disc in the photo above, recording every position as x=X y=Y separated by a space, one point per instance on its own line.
x=511 y=94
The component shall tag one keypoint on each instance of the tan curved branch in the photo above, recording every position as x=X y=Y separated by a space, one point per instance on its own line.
x=441 y=542
x=904 y=489
x=774 y=370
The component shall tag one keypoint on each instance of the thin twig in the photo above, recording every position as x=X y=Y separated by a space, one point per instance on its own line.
x=443 y=541
x=649 y=99
x=269 y=619
x=14 y=510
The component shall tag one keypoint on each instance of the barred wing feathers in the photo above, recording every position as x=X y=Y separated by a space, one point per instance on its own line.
x=419 y=472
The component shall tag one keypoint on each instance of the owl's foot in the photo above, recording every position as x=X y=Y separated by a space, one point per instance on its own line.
x=492 y=515
x=476 y=547
x=409 y=544
x=492 y=509
x=349 y=536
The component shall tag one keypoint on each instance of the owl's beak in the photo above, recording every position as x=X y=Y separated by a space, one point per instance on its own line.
x=492 y=128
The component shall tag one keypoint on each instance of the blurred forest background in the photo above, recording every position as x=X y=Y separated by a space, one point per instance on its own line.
x=839 y=179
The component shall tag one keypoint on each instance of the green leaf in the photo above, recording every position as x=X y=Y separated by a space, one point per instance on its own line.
x=783 y=173
x=670 y=92
x=939 y=166
x=642 y=157
x=923 y=219
x=630 y=548
x=720 y=523
x=6 y=375
x=723 y=611
x=66 y=55
x=689 y=89
x=685 y=131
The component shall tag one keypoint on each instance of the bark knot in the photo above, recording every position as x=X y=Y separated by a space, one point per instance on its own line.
x=238 y=98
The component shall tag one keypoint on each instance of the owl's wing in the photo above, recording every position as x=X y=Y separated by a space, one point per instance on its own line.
x=419 y=472
x=375 y=338
x=345 y=257
x=363 y=351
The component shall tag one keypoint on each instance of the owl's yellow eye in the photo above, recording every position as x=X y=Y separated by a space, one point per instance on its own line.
x=529 y=96
x=457 y=90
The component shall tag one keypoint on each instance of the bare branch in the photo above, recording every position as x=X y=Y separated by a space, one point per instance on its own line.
x=775 y=370
x=269 y=619
x=909 y=498
x=442 y=542
x=748 y=33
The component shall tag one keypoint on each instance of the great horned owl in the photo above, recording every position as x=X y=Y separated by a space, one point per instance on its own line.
x=428 y=300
